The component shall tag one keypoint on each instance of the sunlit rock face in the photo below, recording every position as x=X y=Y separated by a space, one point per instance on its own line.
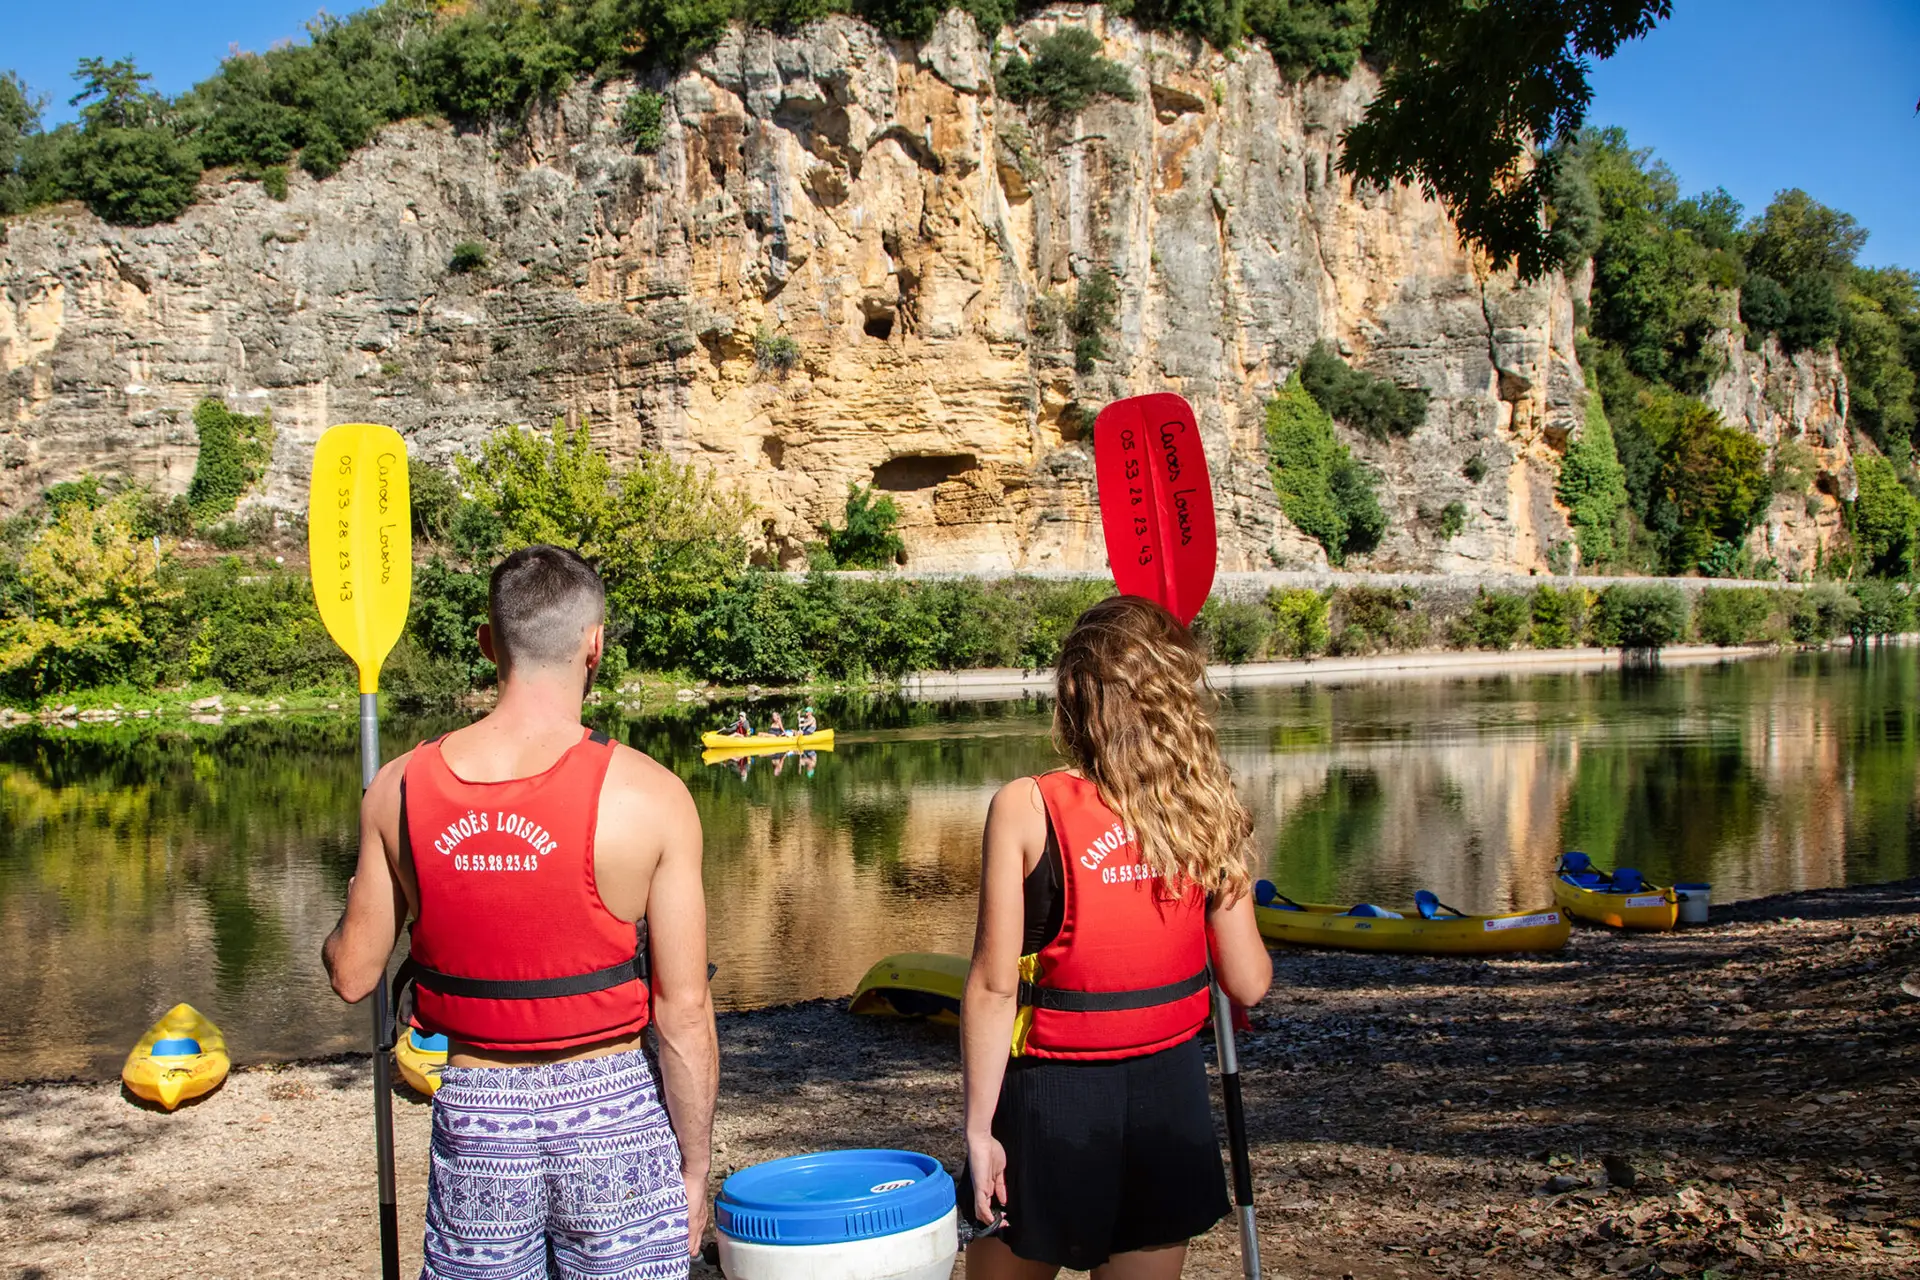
x=920 y=244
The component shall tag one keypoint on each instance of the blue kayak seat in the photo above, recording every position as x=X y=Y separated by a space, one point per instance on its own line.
x=1627 y=880
x=1427 y=903
x=1264 y=893
x=1368 y=911
x=175 y=1047
x=1575 y=861
x=426 y=1043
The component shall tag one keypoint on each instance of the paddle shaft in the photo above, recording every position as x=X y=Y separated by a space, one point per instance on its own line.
x=1236 y=1132
x=382 y=1060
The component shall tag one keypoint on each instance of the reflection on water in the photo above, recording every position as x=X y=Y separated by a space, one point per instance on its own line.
x=139 y=867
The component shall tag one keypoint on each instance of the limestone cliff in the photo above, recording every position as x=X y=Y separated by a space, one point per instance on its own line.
x=917 y=239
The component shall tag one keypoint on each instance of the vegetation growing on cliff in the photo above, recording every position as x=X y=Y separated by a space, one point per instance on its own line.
x=234 y=449
x=1326 y=492
x=1065 y=76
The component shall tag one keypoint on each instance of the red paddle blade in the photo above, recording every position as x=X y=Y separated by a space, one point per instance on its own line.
x=1156 y=502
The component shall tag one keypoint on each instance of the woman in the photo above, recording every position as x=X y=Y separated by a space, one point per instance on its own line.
x=1099 y=886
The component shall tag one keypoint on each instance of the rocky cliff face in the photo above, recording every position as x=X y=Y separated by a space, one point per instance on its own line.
x=917 y=240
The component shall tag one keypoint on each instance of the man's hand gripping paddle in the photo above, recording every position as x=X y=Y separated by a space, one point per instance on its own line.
x=360 y=557
x=1156 y=509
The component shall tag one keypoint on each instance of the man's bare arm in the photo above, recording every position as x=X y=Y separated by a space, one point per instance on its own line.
x=682 y=998
x=357 y=950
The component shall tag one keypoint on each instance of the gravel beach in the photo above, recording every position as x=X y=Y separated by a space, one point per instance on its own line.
x=1731 y=1101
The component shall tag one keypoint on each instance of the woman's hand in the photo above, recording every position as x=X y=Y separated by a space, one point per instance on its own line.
x=987 y=1162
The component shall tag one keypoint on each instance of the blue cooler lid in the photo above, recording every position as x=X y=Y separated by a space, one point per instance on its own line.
x=833 y=1196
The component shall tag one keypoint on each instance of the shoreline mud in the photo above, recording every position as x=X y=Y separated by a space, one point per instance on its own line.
x=1735 y=1100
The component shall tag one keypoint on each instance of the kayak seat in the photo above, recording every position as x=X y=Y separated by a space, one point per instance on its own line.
x=175 y=1047
x=1371 y=912
x=1427 y=903
x=1264 y=893
x=1575 y=861
x=1627 y=880
x=426 y=1043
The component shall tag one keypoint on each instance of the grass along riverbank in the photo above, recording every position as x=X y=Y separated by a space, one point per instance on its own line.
x=1750 y=1080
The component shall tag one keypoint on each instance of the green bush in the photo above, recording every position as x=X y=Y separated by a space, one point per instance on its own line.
x=1309 y=37
x=1096 y=303
x=273 y=180
x=868 y=539
x=1713 y=477
x=1233 y=631
x=1885 y=610
x=234 y=449
x=1300 y=628
x=1763 y=307
x=754 y=631
x=1886 y=518
x=1453 y=518
x=1732 y=615
x=1639 y=618
x=1880 y=347
x=775 y=352
x=642 y=120
x=1557 y=616
x=1496 y=620
x=1794 y=467
x=1377 y=619
x=1366 y=402
x=132 y=177
x=1593 y=485
x=1822 y=612
x=468 y=256
x=1326 y=492
x=1813 y=314
x=1066 y=75
x=434 y=498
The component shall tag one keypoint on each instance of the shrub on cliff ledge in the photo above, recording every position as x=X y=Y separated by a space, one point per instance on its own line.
x=1593 y=485
x=642 y=120
x=234 y=448
x=1324 y=490
x=867 y=539
x=1067 y=73
x=1364 y=401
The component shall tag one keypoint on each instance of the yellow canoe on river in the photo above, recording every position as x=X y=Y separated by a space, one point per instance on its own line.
x=182 y=1056
x=1434 y=929
x=913 y=984
x=1620 y=897
x=421 y=1058
x=744 y=744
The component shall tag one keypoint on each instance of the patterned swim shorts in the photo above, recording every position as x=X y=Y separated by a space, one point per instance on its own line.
x=567 y=1169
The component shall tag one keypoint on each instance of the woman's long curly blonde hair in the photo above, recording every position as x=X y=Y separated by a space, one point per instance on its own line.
x=1128 y=715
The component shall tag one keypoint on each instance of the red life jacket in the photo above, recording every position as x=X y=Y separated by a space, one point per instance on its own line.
x=513 y=948
x=1127 y=974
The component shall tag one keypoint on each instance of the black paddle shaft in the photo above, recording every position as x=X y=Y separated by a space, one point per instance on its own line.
x=1236 y=1132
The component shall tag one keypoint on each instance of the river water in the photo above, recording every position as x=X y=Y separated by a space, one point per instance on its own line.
x=140 y=866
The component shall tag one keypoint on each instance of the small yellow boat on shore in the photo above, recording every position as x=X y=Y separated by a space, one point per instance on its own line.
x=421 y=1058
x=745 y=743
x=1620 y=898
x=913 y=984
x=1434 y=929
x=182 y=1056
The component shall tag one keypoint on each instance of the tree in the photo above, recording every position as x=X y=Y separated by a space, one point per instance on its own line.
x=114 y=95
x=1880 y=346
x=1473 y=90
x=19 y=120
x=1067 y=73
x=1716 y=479
x=91 y=588
x=867 y=540
x=1798 y=236
x=666 y=538
x=1324 y=491
x=1886 y=518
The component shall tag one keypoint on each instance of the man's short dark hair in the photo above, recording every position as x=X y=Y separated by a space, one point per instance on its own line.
x=540 y=602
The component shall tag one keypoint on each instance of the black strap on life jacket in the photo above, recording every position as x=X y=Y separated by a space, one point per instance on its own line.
x=1037 y=997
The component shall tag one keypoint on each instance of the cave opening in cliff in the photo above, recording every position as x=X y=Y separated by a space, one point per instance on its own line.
x=921 y=471
x=879 y=325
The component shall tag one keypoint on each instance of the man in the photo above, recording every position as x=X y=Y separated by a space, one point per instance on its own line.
x=807 y=723
x=742 y=727
x=524 y=850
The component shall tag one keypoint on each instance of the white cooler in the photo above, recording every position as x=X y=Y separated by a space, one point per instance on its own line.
x=839 y=1215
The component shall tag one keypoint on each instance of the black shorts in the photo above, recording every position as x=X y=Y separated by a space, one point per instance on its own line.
x=1106 y=1157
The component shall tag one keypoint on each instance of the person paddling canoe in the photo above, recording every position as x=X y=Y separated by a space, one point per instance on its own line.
x=1099 y=886
x=807 y=723
x=520 y=845
x=742 y=727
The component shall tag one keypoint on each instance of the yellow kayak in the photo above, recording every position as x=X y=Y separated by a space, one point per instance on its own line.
x=1619 y=898
x=1434 y=929
x=737 y=744
x=421 y=1058
x=182 y=1056
x=913 y=984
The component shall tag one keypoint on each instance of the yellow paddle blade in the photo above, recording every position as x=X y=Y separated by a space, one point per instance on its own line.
x=360 y=542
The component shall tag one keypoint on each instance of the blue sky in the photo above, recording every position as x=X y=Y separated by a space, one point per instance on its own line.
x=1760 y=95
x=1750 y=95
